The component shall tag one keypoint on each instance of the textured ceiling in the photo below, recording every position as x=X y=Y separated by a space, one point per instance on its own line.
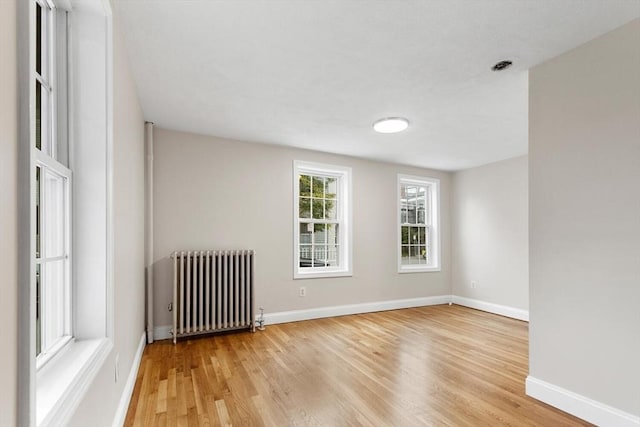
x=317 y=74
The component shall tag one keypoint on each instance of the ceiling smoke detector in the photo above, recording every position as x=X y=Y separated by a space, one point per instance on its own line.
x=502 y=65
x=391 y=125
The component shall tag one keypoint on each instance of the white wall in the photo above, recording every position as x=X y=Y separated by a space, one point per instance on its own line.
x=489 y=234
x=212 y=193
x=584 y=188
x=8 y=212
x=99 y=405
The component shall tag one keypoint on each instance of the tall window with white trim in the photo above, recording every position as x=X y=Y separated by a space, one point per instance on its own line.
x=52 y=194
x=322 y=225
x=418 y=228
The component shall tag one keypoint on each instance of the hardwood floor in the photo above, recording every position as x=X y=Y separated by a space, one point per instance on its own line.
x=439 y=365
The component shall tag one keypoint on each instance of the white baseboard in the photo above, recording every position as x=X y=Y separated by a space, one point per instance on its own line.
x=578 y=405
x=162 y=333
x=342 y=310
x=502 y=310
x=127 y=392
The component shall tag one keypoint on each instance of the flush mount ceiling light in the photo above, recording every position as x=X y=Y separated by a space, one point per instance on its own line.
x=391 y=125
x=502 y=65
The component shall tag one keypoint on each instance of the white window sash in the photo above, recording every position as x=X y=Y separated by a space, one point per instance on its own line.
x=342 y=220
x=431 y=224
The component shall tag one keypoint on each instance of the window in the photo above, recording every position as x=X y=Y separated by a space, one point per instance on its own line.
x=322 y=220
x=52 y=195
x=418 y=228
x=66 y=310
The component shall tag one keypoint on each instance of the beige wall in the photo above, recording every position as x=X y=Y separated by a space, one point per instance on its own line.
x=489 y=235
x=219 y=194
x=8 y=211
x=584 y=173
x=99 y=405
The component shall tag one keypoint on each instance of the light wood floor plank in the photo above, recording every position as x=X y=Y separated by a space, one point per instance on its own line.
x=428 y=366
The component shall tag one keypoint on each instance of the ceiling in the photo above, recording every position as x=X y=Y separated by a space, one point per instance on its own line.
x=317 y=74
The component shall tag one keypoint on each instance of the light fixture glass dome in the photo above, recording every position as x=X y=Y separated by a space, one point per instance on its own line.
x=391 y=125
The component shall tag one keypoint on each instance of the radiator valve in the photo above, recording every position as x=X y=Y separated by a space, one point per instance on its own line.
x=261 y=320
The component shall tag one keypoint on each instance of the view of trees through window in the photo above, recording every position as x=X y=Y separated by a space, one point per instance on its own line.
x=319 y=225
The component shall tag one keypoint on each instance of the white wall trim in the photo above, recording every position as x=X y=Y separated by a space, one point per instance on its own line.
x=127 y=392
x=502 y=310
x=343 y=310
x=164 y=332
x=578 y=405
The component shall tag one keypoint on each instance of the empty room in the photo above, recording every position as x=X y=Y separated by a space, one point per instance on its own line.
x=320 y=213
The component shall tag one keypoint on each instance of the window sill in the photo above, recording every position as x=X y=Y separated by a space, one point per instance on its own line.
x=63 y=381
x=321 y=274
x=405 y=270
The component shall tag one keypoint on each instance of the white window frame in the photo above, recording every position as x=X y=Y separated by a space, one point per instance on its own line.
x=53 y=390
x=49 y=350
x=46 y=158
x=432 y=220
x=343 y=218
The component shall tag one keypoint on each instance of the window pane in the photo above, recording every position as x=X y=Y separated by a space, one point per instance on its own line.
x=38 y=116
x=38 y=212
x=305 y=256
x=317 y=211
x=416 y=255
x=331 y=208
x=332 y=234
x=404 y=230
x=38 y=312
x=39 y=39
x=404 y=213
x=331 y=188
x=411 y=195
x=332 y=255
x=405 y=255
x=306 y=231
x=319 y=235
x=53 y=302
x=304 y=207
x=53 y=215
x=43 y=124
x=413 y=235
x=305 y=185
x=422 y=235
x=319 y=255
x=411 y=215
x=422 y=194
x=318 y=187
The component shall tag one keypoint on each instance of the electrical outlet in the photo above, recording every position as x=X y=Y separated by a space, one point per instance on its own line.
x=473 y=284
x=117 y=373
x=302 y=292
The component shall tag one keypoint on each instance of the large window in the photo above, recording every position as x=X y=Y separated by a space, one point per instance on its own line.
x=322 y=212
x=52 y=192
x=418 y=228
x=66 y=308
